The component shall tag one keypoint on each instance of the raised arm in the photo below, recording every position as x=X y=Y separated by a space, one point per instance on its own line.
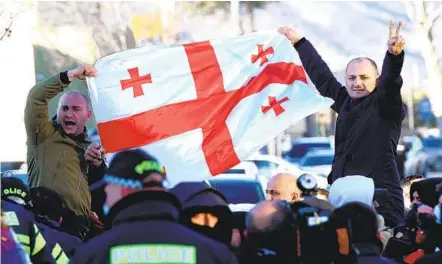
x=36 y=115
x=318 y=71
x=390 y=81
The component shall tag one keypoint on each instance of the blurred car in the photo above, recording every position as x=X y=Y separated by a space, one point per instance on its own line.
x=243 y=169
x=318 y=161
x=433 y=149
x=301 y=146
x=21 y=174
x=423 y=156
x=414 y=156
x=270 y=165
x=239 y=189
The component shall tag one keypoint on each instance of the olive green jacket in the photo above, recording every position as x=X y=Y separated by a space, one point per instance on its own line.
x=56 y=160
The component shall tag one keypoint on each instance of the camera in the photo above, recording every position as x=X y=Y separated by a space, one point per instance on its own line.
x=307 y=184
x=312 y=217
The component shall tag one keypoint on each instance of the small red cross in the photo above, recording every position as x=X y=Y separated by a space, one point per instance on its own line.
x=135 y=82
x=275 y=105
x=262 y=54
x=212 y=99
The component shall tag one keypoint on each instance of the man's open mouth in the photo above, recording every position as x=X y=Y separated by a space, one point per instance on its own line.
x=69 y=123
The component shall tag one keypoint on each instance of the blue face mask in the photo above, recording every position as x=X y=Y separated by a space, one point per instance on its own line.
x=106 y=209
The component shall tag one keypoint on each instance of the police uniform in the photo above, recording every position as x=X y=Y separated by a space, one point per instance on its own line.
x=145 y=229
x=12 y=250
x=47 y=206
x=63 y=245
x=22 y=221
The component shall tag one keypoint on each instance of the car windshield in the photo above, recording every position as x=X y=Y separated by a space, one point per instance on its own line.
x=317 y=160
x=299 y=150
x=235 y=171
x=432 y=143
x=238 y=192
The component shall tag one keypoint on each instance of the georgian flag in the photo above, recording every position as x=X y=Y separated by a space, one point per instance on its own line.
x=201 y=108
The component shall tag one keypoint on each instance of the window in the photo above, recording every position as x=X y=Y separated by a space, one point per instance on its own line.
x=299 y=150
x=432 y=143
x=235 y=171
x=238 y=192
x=317 y=161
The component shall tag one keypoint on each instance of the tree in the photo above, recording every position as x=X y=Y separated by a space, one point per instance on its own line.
x=9 y=10
x=109 y=22
x=425 y=16
x=210 y=7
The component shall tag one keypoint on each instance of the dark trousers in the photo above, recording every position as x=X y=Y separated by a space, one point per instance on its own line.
x=76 y=225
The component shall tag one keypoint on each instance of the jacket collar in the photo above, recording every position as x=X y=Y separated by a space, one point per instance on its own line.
x=46 y=221
x=82 y=137
x=145 y=205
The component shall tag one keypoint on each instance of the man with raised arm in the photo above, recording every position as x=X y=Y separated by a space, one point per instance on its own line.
x=60 y=156
x=371 y=112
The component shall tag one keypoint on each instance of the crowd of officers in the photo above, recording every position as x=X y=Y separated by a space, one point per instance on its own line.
x=189 y=223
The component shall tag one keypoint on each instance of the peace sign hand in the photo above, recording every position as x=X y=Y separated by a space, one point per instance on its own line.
x=396 y=42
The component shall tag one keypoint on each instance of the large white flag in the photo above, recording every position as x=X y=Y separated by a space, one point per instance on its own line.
x=201 y=108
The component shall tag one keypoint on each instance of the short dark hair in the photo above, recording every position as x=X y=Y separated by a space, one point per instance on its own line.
x=359 y=59
x=47 y=202
x=257 y=224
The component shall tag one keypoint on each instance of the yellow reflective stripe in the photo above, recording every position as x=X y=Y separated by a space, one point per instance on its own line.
x=63 y=259
x=56 y=251
x=59 y=255
x=24 y=240
x=40 y=241
x=27 y=249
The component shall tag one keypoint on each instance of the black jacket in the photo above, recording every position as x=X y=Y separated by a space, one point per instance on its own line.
x=145 y=226
x=367 y=129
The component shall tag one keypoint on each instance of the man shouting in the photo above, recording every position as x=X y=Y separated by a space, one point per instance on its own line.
x=59 y=155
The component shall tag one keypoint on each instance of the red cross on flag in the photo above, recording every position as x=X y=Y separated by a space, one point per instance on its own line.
x=201 y=108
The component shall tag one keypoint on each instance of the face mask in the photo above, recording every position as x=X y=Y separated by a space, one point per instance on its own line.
x=106 y=209
x=218 y=233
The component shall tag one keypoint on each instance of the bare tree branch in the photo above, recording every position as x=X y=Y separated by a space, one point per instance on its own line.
x=16 y=10
x=8 y=28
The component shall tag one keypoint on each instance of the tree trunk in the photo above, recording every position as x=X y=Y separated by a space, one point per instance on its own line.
x=425 y=25
x=250 y=15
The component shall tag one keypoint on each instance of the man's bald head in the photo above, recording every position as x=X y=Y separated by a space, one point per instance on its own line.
x=76 y=94
x=73 y=112
x=283 y=186
x=265 y=217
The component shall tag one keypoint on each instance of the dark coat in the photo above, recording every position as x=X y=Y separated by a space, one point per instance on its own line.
x=145 y=226
x=367 y=129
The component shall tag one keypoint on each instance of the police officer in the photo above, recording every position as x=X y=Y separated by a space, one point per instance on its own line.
x=48 y=208
x=205 y=210
x=17 y=214
x=12 y=249
x=144 y=220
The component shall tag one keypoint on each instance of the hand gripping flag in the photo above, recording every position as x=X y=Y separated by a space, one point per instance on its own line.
x=201 y=108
